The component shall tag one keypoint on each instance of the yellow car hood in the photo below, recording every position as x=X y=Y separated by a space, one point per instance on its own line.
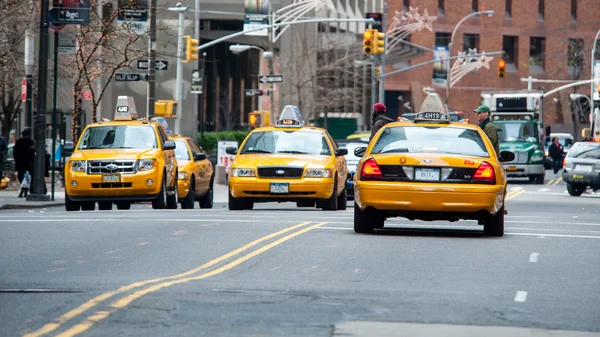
x=258 y=160
x=118 y=154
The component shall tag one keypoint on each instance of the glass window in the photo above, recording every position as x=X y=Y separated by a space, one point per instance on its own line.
x=541 y=9
x=510 y=44
x=181 y=150
x=350 y=157
x=574 y=10
x=508 y=9
x=194 y=147
x=163 y=135
x=431 y=139
x=585 y=150
x=475 y=6
x=294 y=142
x=119 y=137
x=440 y=7
x=516 y=132
x=470 y=41
x=537 y=50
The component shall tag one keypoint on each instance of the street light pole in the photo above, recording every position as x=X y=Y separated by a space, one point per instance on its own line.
x=198 y=99
x=382 y=70
x=592 y=76
x=178 y=92
x=29 y=50
x=489 y=13
x=151 y=61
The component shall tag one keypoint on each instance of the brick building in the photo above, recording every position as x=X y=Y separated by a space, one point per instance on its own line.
x=545 y=39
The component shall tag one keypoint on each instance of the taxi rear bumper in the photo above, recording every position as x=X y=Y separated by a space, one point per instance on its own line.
x=131 y=187
x=418 y=199
x=260 y=189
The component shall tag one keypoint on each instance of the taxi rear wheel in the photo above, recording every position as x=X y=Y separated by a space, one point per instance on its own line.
x=362 y=220
x=342 y=202
x=160 y=202
x=493 y=225
x=575 y=189
x=206 y=201
x=105 y=205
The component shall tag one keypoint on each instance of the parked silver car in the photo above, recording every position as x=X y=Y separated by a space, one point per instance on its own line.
x=582 y=168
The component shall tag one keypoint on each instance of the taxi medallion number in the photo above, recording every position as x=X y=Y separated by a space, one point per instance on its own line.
x=111 y=178
x=280 y=188
x=427 y=174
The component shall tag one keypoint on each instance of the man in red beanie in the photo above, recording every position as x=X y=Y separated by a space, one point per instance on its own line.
x=379 y=119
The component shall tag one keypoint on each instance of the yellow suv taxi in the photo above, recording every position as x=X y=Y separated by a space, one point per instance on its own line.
x=196 y=174
x=122 y=161
x=288 y=162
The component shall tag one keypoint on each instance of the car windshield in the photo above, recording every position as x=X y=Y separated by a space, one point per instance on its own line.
x=516 y=132
x=118 y=137
x=181 y=150
x=431 y=139
x=585 y=151
x=566 y=142
x=293 y=142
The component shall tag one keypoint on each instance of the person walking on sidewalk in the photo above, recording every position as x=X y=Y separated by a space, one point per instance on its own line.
x=3 y=151
x=23 y=154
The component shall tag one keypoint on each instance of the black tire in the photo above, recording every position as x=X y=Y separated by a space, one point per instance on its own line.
x=88 y=205
x=305 y=203
x=105 y=205
x=342 y=202
x=362 y=221
x=123 y=205
x=493 y=225
x=537 y=179
x=188 y=201
x=575 y=189
x=331 y=204
x=172 y=199
x=206 y=201
x=235 y=204
x=70 y=205
x=161 y=201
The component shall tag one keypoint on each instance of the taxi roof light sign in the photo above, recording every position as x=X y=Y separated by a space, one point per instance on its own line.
x=432 y=110
x=125 y=110
x=290 y=117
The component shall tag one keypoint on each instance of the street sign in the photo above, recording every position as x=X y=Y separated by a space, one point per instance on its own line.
x=270 y=78
x=196 y=82
x=253 y=92
x=120 y=77
x=377 y=17
x=24 y=89
x=86 y=95
x=158 y=64
x=67 y=43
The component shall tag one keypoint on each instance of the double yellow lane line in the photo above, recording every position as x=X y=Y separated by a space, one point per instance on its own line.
x=554 y=182
x=198 y=273
x=514 y=193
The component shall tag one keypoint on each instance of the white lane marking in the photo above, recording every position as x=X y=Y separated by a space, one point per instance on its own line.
x=544 y=189
x=521 y=296
x=534 y=257
x=542 y=235
x=516 y=188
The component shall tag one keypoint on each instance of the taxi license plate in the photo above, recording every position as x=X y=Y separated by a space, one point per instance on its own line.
x=584 y=168
x=512 y=168
x=280 y=188
x=111 y=178
x=427 y=174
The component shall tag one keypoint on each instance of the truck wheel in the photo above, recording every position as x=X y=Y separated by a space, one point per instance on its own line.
x=575 y=189
x=161 y=201
x=493 y=225
x=105 y=205
x=71 y=205
x=539 y=179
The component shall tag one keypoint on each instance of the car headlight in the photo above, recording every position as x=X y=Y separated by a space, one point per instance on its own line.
x=145 y=164
x=546 y=153
x=318 y=173
x=537 y=157
x=183 y=176
x=79 y=165
x=243 y=172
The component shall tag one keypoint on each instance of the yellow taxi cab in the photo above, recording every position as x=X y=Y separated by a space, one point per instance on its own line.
x=430 y=169
x=361 y=136
x=288 y=162
x=196 y=174
x=121 y=161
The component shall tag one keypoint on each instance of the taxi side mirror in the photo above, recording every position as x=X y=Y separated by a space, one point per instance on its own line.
x=360 y=151
x=506 y=156
x=341 y=151
x=169 y=145
x=199 y=156
x=231 y=150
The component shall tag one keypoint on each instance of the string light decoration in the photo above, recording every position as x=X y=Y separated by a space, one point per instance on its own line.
x=295 y=11
x=405 y=23
x=468 y=62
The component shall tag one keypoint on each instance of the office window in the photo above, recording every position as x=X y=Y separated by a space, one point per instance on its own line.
x=541 y=9
x=442 y=39
x=575 y=57
x=510 y=45
x=470 y=41
x=537 y=50
x=440 y=7
x=508 y=8
x=406 y=4
x=475 y=6
x=573 y=10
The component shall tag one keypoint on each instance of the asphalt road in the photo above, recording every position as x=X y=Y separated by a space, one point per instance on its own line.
x=282 y=271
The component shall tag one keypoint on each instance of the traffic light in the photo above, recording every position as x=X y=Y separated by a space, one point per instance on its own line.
x=379 y=42
x=255 y=119
x=501 y=68
x=191 y=49
x=368 y=39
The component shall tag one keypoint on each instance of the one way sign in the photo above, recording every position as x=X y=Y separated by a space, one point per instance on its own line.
x=158 y=64
x=270 y=79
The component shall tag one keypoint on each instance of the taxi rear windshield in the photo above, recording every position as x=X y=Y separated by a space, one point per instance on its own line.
x=585 y=151
x=431 y=139
x=118 y=137
x=293 y=142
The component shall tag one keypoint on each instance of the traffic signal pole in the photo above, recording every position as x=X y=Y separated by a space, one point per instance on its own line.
x=178 y=92
x=385 y=39
x=151 y=61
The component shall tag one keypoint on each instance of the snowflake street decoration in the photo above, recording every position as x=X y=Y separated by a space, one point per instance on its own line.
x=468 y=62
x=406 y=23
x=295 y=11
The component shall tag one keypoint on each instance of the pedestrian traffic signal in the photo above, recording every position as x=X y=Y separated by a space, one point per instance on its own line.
x=254 y=119
x=368 y=39
x=501 y=68
x=379 y=42
x=191 y=49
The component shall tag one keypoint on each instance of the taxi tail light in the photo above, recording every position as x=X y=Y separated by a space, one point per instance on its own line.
x=564 y=163
x=370 y=170
x=484 y=174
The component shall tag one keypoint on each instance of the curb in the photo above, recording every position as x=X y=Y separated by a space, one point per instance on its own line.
x=32 y=205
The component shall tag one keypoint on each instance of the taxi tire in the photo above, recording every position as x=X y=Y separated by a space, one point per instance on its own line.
x=206 y=201
x=575 y=189
x=331 y=204
x=189 y=200
x=235 y=204
x=342 y=202
x=88 y=205
x=537 y=179
x=105 y=205
x=493 y=225
x=172 y=199
x=362 y=220
x=123 y=205
x=160 y=202
x=71 y=205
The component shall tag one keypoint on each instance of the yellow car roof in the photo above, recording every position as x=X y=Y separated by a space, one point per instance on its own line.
x=279 y=128
x=134 y=122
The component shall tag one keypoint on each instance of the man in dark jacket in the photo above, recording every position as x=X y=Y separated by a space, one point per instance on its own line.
x=483 y=116
x=379 y=119
x=23 y=154
x=555 y=150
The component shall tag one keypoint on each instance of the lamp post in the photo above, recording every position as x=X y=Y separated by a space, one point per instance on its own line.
x=178 y=92
x=592 y=74
x=488 y=13
x=240 y=48
x=575 y=97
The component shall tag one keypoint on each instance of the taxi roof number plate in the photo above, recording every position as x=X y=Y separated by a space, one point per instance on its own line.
x=427 y=174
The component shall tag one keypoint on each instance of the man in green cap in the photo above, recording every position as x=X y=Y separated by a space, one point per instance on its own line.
x=483 y=116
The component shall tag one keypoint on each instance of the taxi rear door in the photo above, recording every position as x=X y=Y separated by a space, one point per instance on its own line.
x=168 y=156
x=202 y=168
x=340 y=163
